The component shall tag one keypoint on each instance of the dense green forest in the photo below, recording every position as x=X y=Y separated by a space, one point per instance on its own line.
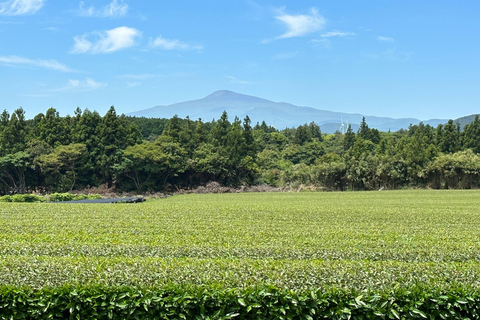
x=50 y=153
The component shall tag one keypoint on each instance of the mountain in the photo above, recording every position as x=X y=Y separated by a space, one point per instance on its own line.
x=465 y=120
x=278 y=114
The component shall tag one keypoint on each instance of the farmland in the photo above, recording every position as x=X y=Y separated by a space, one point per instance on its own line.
x=301 y=241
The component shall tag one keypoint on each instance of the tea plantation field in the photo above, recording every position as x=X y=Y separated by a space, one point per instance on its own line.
x=294 y=240
x=352 y=241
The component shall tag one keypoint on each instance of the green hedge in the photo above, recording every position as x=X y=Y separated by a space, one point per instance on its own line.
x=55 y=197
x=254 y=303
x=22 y=198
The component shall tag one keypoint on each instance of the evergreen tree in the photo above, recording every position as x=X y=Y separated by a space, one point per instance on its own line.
x=220 y=130
x=115 y=135
x=51 y=128
x=15 y=133
x=471 y=135
x=450 y=137
x=248 y=139
x=302 y=135
x=314 y=131
x=348 y=138
x=173 y=128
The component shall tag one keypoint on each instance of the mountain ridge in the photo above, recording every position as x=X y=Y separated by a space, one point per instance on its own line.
x=278 y=114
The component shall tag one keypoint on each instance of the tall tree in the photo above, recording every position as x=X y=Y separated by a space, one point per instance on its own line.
x=471 y=135
x=348 y=138
x=15 y=133
x=13 y=169
x=115 y=135
x=51 y=128
x=220 y=130
x=450 y=137
x=62 y=164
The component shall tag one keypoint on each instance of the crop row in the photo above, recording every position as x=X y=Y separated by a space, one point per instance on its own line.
x=296 y=275
x=176 y=302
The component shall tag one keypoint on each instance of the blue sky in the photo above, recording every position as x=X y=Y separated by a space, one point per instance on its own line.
x=391 y=58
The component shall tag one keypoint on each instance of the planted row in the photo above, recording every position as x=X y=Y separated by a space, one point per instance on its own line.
x=299 y=275
x=253 y=303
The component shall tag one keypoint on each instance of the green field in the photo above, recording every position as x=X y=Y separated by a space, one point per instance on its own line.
x=300 y=241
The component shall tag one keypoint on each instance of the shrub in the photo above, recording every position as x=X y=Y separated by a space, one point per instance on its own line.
x=26 y=198
x=6 y=198
x=62 y=197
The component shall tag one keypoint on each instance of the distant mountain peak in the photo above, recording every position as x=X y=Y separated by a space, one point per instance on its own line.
x=222 y=93
x=226 y=95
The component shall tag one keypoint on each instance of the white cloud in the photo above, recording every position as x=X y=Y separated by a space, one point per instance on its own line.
x=144 y=76
x=133 y=84
x=166 y=44
x=385 y=39
x=106 y=41
x=300 y=25
x=337 y=34
x=113 y=9
x=49 y=64
x=18 y=7
x=237 y=81
x=391 y=54
x=286 y=55
x=80 y=86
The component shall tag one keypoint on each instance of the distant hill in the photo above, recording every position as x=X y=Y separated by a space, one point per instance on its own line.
x=278 y=114
x=465 y=120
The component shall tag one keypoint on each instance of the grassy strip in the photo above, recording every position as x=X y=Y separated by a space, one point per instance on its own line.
x=178 y=302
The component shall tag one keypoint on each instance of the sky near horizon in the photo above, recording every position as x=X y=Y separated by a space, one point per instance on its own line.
x=400 y=59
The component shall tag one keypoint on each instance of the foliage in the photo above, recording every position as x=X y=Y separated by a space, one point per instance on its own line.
x=390 y=254
x=26 y=198
x=56 y=154
x=252 y=303
x=351 y=241
x=52 y=197
x=55 y=197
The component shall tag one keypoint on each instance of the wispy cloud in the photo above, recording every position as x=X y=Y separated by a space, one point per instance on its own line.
x=49 y=64
x=300 y=25
x=385 y=39
x=106 y=41
x=133 y=84
x=166 y=44
x=80 y=86
x=144 y=76
x=235 y=80
x=337 y=34
x=18 y=7
x=391 y=54
x=113 y=9
x=286 y=55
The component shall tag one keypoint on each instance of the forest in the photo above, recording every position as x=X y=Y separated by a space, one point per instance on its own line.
x=51 y=153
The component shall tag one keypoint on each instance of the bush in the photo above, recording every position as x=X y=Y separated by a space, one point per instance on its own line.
x=26 y=198
x=93 y=196
x=6 y=198
x=62 y=197
x=250 y=303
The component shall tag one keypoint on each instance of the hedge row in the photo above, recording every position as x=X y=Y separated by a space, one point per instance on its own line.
x=97 y=302
x=51 y=197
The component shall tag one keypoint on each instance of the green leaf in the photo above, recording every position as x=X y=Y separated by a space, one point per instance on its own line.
x=241 y=302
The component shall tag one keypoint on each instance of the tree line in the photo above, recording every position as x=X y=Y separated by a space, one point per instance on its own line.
x=50 y=153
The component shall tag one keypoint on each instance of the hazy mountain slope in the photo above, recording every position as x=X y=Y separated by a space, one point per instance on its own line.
x=279 y=114
x=465 y=120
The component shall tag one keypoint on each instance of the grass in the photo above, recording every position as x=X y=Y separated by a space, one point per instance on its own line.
x=351 y=240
